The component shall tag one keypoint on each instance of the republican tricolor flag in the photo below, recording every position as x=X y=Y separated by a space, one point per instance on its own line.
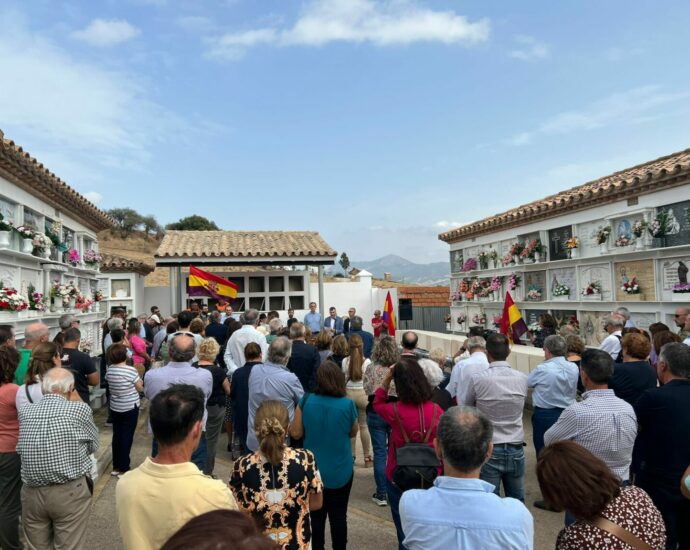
x=202 y=283
x=389 y=314
x=512 y=323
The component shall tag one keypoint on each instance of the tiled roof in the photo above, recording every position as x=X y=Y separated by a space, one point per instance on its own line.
x=271 y=245
x=113 y=263
x=426 y=296
x=26 y=172
x=664 y=172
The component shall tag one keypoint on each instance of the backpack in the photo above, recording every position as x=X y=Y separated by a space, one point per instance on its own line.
x=619 y=357
x=417 y=463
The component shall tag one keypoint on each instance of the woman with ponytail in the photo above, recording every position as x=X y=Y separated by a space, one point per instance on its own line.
x=278 y=485
x=354 y=367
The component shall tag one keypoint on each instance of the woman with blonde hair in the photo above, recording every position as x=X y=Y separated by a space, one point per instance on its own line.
x=43 y=357
x=278 y=485
x=215 y=405
x=354 y=367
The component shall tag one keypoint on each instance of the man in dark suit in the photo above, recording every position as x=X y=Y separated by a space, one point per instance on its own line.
x=215 y=329
x=367 y=337
x=305 y=359
x=663 y=443
x=333 y=322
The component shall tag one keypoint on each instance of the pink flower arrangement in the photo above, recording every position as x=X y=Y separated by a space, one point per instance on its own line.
x=73 y=256
x=495 y=284
x=513 y=281
x=469 y=265
x=497 y=321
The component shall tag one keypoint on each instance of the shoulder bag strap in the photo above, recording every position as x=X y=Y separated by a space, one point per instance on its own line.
x=28 y=395
x=431 y=427
x=618 y=532
x=397 y=418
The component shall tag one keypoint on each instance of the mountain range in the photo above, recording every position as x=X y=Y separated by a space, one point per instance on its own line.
x=402 y=270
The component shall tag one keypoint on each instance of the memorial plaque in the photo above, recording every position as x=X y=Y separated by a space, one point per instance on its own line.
x=600 y=273
x=587 y=233
x=563 y=317
x=504 y=248
x=564 y=276
x=557 y=239
x=456 y=261
x=643 y=320
x=535 y=280
x=679 y=230
x=672 y=271
x=643 y=272
x=592 y=327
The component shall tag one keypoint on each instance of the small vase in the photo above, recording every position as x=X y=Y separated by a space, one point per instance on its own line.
x=27 y=246
x=516 y=259
x=603 y=248
x=5 y=239
x=46 y=253
x=639 y=245
x=55 y=303
x=537 y=257
x=72 y=303
x=574 y=253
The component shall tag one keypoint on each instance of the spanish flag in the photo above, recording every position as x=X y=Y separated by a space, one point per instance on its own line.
x=202 y=283
x=512 y=323
x=389 y=314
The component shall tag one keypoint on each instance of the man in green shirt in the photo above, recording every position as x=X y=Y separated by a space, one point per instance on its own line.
x=34 y=334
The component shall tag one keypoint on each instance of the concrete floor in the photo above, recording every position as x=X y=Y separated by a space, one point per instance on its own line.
x=369 y=526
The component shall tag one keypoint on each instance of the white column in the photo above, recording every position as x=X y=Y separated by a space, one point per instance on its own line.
x=321 y=306
x=174 y=289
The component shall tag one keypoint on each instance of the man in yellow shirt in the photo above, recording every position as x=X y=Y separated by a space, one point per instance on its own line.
x=160 y=496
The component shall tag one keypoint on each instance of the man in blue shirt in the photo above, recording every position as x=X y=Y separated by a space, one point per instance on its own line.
x=313 y=319
x=461 y=510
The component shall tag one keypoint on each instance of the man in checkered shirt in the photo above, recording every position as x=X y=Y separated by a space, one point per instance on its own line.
x=56 y=437
x=602 y=423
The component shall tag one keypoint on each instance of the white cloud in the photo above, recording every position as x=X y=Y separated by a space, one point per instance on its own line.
x=634 y=106
x=529 y=49
x=93 y=196
x=398 y=22
x=106 y=32
x=445 y=224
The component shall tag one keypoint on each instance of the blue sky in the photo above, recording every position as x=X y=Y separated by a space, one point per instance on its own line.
x=379 y=124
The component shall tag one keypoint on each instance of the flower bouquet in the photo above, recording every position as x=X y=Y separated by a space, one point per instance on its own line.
x=638 y=228
x=98 y=296
x=41 y=243
x=592 y=291
x=660 y=225
x=469 y=265
x=25 y=232
x=73 y=256
x=83 y=303
x=483 y=258
x=631 y=287
x=513 y=281
x=496 y=285
x=493 y=256
x=479 y=319
x=5 y=226
x=573 y=244
x=603 y=234
x=681 y=288
x=534 y=294
x=11 y=300
x=92 y=258
x=561 y=291
x=507 y=259
x=623 y=241
x=497 y=321
x=461 y=319
x=516 y=250
x=37 y=301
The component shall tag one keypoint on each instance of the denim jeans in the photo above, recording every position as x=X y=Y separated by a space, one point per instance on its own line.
x=542 y=420
x=124 y=426
x=394 y=495
x=335 y=508
x=198 y=456
x=380 y=432
x=507 y=464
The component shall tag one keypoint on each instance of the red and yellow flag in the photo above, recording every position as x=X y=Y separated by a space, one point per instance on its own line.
x=512 y=323
x=389 y=314
x=202 y=283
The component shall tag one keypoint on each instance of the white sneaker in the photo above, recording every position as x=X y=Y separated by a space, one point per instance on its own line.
x=115 y=473
x=379 y=500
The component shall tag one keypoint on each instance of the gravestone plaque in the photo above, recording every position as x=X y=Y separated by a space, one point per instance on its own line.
x=643 y=320
x=564 y=276
x=563 y=316
x=600 y=273
x=557 y=239
x=456 y=261
x=535 y=280
x=679 y=230
x=587 y=233
x=643 y=272
x=592 y=327
x=671 y=271
x=504 y=248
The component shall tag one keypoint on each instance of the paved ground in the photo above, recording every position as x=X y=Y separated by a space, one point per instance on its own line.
x=370 y=527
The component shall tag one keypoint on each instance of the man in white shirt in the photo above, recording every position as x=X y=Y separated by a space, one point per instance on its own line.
x=625 y=313
x=465 y=368
x=184 y=319
x=234 y=351
x=613 y=324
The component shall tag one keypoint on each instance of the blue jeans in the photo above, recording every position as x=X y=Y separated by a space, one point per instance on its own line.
x=507 y=464
x=542 y=420
x=380 y=431
x=198 y=456
x=394 y=495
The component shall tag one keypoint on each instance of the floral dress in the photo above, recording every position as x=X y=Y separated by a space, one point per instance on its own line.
x=277 y=497
x=633 y=510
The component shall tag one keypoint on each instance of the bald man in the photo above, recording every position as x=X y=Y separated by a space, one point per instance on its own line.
x=34 y=334
x=679 y=318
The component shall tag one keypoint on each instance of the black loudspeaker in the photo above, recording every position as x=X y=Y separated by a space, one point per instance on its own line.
x=405 y=309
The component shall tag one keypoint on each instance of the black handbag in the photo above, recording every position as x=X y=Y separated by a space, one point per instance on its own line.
x=417 y=463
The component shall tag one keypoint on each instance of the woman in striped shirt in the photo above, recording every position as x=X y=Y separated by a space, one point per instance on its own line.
x=125 y=385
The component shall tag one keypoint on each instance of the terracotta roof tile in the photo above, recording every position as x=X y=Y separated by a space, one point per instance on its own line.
x=640 y=179
x=113 y=263
x=243 y=244
x=25 y=171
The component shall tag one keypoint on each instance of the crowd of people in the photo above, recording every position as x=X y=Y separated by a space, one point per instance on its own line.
x=445 y=438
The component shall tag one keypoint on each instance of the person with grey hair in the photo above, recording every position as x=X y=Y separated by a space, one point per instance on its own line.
x=613 y=324
x=625 y=313
x=272 y=381
x=663 y=445
x=465 y=368
x=215 y=329
x=56 y=438
x=179 y=370
x=114 y=323
x=234 y=350
x=34 y=334
x=304 y=359
x=275 y=325
x=460 y=506
x=65 y=322
x=356 y=324
x=554 y=384
x=434 y=375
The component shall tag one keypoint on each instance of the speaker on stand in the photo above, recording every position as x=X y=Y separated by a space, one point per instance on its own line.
x=405 y=310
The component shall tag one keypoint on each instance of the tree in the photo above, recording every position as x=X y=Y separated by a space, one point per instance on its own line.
x=193 y=223
x=344 y=262
x=126 y=219
x=151 y=226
